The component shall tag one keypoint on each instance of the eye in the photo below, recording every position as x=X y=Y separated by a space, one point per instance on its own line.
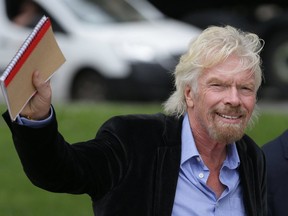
x=217 y=85
x=247 y=90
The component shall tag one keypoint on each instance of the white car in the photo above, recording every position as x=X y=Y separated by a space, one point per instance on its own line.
x=124 y=49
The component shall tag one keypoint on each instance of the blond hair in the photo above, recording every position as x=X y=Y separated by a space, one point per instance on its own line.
x=211 y=47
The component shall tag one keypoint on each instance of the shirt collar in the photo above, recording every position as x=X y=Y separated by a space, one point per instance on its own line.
x=189 y=149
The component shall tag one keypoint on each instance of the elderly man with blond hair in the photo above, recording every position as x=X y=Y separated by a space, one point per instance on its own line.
x=194 y=159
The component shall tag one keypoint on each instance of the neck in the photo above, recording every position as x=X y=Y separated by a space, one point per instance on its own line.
x=213 y=155
x=212 y=152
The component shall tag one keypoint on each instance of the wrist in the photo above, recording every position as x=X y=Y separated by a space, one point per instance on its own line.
x=26 y=116
x=34 y=117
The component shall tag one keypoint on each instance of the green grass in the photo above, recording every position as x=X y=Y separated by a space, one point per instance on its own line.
x=18 y=197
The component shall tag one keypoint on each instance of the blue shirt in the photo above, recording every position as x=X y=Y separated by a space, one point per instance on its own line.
x=193 y=197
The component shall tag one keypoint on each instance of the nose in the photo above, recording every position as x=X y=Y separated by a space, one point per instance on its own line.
x=232 y=97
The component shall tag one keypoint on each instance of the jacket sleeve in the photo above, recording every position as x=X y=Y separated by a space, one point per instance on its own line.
x=92 y=167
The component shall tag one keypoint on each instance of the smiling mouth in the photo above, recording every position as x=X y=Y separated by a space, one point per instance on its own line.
x=229 y=116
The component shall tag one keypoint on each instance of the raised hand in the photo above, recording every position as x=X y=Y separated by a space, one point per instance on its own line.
x=39 y=105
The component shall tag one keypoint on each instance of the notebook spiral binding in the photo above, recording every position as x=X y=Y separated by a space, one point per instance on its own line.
x=23 y=48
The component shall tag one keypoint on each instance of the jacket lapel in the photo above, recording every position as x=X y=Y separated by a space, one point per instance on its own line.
x=168 y=163
x=246 y=181
x=253 y=176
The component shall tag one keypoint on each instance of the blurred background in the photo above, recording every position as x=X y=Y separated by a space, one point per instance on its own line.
x=115 y=50
x=123 y=51
x=268 y=19
x=127 y=49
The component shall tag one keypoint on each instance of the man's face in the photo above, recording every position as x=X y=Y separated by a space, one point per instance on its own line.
x=224 y=102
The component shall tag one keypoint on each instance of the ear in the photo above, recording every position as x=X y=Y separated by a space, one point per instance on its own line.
x=189 y=96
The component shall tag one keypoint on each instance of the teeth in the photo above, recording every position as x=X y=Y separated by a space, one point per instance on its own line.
x=229 y=117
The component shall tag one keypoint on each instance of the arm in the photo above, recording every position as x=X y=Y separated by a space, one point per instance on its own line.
x=53 y=164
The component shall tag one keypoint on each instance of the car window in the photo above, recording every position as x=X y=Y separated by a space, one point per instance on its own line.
x=103 y=11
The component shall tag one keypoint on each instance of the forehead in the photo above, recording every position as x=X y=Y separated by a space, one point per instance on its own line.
x=231 y=68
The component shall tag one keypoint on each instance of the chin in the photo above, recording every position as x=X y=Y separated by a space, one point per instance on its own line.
x=227 y=134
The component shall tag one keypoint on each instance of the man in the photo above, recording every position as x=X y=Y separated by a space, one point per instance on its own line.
x=276 y=152
x=194 y=160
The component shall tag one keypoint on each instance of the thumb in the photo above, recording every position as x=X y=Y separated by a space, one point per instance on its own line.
x=43 y=88
x=36 y=80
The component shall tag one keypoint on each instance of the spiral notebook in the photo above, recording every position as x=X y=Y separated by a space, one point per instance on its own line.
x=39 y=51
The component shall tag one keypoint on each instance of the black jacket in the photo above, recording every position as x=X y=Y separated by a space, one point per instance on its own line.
x=131 y=167
x=276 y=152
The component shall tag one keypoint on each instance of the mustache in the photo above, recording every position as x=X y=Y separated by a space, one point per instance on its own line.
x=230 y=110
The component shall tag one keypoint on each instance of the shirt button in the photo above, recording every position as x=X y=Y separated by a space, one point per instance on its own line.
x=198 y=159
x=201 y=175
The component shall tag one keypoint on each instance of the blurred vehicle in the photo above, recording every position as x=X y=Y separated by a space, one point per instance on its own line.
x=124 y=49
x=268 y=19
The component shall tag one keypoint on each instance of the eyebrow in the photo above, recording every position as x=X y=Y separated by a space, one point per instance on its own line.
x=218 y=80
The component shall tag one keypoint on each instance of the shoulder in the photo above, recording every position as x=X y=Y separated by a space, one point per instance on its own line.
x=247 y=144
x=252 y=159
x=133 y=120
x=276 y=150
x=276 y=143
x=248 y=148
x=135 y=123
x=142 y=131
